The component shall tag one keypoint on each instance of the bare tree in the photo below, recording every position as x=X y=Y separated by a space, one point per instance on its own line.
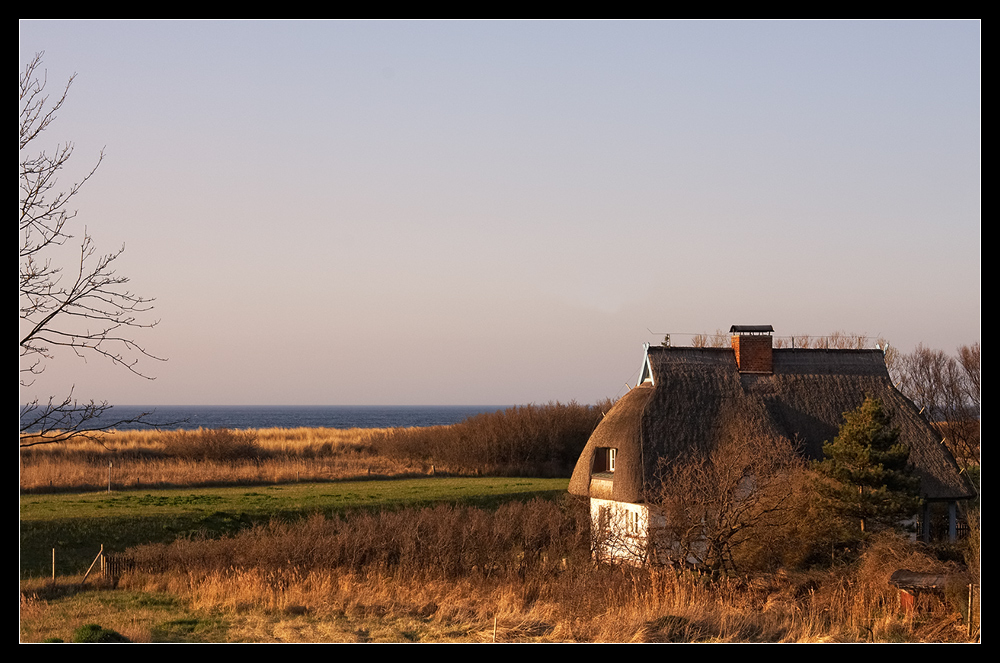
x=842 y=340
x=86 y=306
x=800 y=341
x=719 y=339
x=892 y=358
x=947 y=391
x=970 y=357
x=924 y=379
x=713 y=504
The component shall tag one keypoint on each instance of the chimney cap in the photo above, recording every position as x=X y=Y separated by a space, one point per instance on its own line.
x=751 y=329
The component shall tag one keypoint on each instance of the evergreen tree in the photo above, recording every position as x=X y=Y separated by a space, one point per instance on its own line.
x=873 y=482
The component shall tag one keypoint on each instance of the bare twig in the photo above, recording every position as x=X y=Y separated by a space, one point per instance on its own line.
x=85 y=307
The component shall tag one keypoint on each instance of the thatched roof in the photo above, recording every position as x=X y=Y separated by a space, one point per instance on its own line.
x=698 y=397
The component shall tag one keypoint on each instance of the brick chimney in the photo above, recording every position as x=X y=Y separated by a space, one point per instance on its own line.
x=752 y=344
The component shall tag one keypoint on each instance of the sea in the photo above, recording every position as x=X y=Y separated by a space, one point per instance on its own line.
x=173 y=417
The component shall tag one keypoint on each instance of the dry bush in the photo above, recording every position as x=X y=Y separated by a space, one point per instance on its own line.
x=516 y=540
x=858 y=603
x=737 y=495
x=450 y=573
x=973 y=565
x=798 y=536
x=800 y=341
x=842 y=340
x=219 y=444
x=580 y=602
x=530 y=440
x=720 y=339
x=972 y=543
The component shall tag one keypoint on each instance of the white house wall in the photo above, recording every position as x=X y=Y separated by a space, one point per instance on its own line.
x=624 y=533
x=620 y=530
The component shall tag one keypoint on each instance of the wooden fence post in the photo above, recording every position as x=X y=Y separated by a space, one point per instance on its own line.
x=100 y=555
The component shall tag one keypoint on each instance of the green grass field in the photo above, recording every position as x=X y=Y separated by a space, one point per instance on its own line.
x=77 y=525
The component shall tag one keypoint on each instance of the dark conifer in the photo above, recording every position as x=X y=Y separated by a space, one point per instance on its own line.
x=873 y=482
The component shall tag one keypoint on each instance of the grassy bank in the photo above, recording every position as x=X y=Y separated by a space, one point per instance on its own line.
x=78 y=524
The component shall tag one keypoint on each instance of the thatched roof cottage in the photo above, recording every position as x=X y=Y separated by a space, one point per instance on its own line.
x=686 y=398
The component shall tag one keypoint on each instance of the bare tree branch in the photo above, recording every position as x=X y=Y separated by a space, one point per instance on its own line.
x=947 y=391
x=713 y=504
x=58 y=421
x=85 y=307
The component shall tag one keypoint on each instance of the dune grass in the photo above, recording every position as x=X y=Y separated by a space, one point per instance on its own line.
x=540 y=441
x=166 y=459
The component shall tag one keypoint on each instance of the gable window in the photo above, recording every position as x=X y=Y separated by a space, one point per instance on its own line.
x=604 y=460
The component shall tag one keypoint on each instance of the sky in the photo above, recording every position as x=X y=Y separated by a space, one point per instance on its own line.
x=471 y=213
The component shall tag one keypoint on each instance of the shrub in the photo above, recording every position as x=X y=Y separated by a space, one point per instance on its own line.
x=219 y=444
x=97 y=633
x=443 y=541
x=535 y=440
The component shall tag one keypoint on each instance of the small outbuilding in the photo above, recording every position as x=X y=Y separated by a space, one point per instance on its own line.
x=687 y=398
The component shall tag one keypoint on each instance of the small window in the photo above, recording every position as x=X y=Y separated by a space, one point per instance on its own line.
x=603 y=518
x=632 y=522
x=604 y=460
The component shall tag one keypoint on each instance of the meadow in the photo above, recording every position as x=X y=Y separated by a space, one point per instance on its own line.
x=520 y=572
x=77 y=524
x=409 y=535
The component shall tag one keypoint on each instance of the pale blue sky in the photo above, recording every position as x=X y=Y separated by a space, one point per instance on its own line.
x=472 y=213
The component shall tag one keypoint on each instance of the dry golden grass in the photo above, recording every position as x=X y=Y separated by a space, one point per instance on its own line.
x=315 y=441
x=321 y=581
x=162 y=459
x=578 y=605
x=531 y=440
x=297 y=590
x=379 y=606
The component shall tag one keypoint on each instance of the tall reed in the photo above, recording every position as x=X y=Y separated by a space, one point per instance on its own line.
x=527 y=568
